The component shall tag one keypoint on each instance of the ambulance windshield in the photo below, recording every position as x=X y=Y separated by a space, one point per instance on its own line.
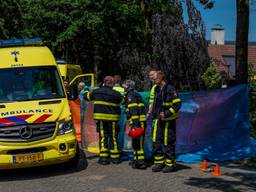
x=30 y=83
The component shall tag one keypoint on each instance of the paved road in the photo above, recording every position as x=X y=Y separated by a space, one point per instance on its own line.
x=122 y=178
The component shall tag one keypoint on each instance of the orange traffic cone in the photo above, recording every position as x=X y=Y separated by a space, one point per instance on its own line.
x=216 y=170
x=204 y=166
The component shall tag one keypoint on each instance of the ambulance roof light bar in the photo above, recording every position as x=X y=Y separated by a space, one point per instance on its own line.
x=21 y=42
x=61 y=61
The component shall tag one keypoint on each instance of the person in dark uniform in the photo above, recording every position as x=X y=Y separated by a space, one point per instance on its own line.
x=106 y=114
x=136 y=118
x=165 y=108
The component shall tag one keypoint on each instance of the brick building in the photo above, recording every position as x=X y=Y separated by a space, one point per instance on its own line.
x=223 y=53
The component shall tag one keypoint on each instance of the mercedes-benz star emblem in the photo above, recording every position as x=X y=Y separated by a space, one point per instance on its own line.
x=26 y=132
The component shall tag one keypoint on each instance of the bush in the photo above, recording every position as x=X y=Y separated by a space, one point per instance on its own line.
x=211 y=77
x=252 y=100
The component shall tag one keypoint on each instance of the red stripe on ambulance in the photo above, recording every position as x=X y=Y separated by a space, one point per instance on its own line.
x=23 y=117
x=6 y=121
x=42 y=118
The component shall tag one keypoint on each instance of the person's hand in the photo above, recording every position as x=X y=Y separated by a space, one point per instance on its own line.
x=162 y=115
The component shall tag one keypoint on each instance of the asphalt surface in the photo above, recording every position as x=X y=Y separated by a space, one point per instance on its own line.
x=93 y=177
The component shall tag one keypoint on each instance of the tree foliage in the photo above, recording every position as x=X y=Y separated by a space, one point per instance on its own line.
x=11 y=22
x=182 y=54
x=116 y=36
x=67 y=26
x=211 y=77
x=252 y=99
x=91 y=33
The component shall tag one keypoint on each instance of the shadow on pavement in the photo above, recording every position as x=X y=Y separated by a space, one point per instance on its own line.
x=237 y=179
x=222 y=184
x=243 y=164
x=44 y=171
x=91 y=155
x=181 y=167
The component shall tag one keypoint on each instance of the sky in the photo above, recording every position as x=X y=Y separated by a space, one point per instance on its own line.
x=224 y=13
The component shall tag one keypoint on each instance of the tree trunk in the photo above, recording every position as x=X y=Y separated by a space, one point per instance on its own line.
x=242 y=28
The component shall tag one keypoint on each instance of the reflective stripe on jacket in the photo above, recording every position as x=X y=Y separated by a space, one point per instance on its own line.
x=135 y=108
x=152 y=94
x=119 y=89
x=106 y=103
x=169 y=102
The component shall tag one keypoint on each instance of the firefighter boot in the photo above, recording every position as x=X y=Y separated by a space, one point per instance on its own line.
x=103 y=161
x=140 y=165
x=116 y=160
x=168 y=169
x=157 y=167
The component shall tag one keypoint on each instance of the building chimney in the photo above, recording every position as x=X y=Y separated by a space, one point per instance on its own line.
x=217 y=35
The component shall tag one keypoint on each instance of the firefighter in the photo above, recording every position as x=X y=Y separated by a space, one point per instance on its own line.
x=106 y=114
x=117 y=86
x=165 y=107
x=135 y=111
x=152 y=76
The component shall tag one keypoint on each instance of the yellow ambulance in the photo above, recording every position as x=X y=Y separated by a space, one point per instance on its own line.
x=35 y=121
x=74 y=74
x=68 y=71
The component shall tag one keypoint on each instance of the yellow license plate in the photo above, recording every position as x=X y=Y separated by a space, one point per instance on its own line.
x=28 y=158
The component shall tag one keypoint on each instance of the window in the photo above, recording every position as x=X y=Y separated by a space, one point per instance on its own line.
x=30 y=83
x=231 y=64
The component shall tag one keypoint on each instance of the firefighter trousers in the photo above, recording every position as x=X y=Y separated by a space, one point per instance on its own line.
x=164 y=139
x=138 y=145
x=108 y=135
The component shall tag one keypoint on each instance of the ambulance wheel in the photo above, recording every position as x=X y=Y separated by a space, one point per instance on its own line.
x=79 y=161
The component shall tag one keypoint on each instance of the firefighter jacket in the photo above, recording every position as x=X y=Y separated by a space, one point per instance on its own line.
x=152 y=95
x=167 y=101
x=106 y=103
x=135 y=109
x=119 y=89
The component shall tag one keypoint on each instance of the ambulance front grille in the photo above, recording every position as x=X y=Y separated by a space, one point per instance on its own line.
x=27 y=132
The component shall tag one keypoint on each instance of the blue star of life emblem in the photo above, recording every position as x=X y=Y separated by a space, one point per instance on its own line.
x=15 y=53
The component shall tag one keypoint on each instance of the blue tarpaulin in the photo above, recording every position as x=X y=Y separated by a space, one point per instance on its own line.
x=212 y=125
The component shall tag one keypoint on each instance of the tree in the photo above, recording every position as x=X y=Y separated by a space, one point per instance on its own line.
x=242 y=28
x=180 y=49
x=68 y=27
x=122 y=37
x=11 y=22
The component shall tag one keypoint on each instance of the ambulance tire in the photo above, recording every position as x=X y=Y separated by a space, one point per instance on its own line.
x=78 y=162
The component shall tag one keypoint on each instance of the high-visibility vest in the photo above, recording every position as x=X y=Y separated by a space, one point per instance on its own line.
x=152 y=95
x=119 y=89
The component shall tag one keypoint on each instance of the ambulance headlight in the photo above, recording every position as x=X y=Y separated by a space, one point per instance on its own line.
x=65 y=127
